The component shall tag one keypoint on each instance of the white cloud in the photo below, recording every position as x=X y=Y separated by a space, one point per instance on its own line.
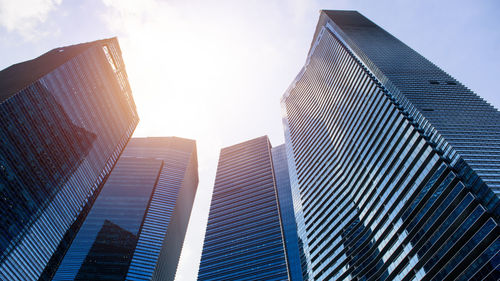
x=26 y=16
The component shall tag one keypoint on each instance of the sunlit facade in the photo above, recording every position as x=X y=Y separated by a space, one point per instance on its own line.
x=245 y=237
x=65 y=118
x=395 y=165
x=136 y=228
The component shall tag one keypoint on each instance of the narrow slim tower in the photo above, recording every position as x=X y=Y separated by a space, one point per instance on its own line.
x=245 y=238
x=395 y=165
x=65 y=118
x=136 y=228
x=292 y=245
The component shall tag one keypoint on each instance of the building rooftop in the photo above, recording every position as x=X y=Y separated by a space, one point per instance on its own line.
x=19 y=76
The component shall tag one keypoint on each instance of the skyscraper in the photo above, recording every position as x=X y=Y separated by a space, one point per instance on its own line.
x=245 y=233
x=65 y=118
x=395 y=165
x=283 y=189
x=137 y=225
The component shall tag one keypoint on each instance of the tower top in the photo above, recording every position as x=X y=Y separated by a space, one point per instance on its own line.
x=19 y=76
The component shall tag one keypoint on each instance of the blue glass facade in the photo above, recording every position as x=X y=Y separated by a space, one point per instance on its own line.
x=164 y=227
x=394 y=164
x=66 y=117
x=244 y=237
x=119 y=208
x=137 y=225
x=284 y=192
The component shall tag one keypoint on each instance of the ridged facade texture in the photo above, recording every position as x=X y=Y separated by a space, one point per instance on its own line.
x=394 y=164
x=244 y=237
x=65 y=118
x=162 y=233
x=284 y=191
x=136 y=228
x=122 y=202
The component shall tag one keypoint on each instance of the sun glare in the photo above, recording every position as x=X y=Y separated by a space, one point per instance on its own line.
x=180 y=78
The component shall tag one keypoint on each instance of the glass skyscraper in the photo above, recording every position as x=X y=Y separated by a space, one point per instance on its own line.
x=280 y=167
x=65 y=118
x=395 y=165
x=137 y=225
x=250 y=220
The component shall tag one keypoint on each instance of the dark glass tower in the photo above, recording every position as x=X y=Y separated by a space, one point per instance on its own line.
x=137 y=225
x=395 y=165
x=65 y=118
x=245 y=233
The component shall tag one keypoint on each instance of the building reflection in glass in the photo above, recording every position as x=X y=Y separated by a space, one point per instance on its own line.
x=66 y=117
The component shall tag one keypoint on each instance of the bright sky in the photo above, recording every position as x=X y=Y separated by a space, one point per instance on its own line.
x=214 y=71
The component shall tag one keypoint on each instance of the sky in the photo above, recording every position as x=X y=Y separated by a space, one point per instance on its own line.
x=214 y=71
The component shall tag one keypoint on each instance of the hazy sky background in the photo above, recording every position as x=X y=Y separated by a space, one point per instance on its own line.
x=214 y=71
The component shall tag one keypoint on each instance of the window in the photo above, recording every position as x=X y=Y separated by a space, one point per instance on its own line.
x=109 y=57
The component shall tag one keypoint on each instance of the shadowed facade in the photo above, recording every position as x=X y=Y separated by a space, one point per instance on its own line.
x=66 y=117
x=137 y=225
x=251 y=229
x=394 y=164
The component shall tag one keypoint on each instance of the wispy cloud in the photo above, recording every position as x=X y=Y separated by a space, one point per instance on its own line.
x=25 y=16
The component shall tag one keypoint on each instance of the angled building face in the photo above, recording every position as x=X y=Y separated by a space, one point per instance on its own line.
x=244 y=238
x=66 y=117
x=293 y=251
x=395 y=165
x=137 y=225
